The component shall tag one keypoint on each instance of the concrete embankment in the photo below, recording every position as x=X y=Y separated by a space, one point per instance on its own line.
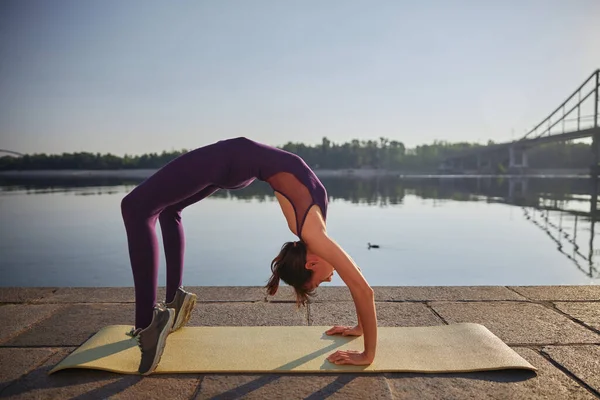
x=555 y=328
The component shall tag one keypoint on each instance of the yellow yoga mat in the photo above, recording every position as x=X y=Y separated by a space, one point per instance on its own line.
x=282 y=349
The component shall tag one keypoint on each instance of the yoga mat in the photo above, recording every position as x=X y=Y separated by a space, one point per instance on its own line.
x=279 y=349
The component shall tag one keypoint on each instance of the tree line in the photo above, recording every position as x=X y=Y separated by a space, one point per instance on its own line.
x=384 y=154
x=382 y=191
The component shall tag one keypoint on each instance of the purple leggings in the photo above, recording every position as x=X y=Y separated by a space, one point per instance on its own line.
x=162 y=196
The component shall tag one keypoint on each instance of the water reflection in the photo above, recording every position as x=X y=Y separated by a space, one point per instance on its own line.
x=81 y=186
x=564 y=229
x=564 y=209
x=523 y=191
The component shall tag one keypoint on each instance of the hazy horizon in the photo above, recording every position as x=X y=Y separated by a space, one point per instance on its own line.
x=146 y=76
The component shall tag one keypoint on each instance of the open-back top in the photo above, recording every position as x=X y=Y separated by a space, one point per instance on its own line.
x=286 y=172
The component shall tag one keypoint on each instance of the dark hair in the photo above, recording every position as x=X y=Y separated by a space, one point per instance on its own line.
x=289 y=266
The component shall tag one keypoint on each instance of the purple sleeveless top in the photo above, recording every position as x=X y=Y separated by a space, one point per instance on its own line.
x=236 y=163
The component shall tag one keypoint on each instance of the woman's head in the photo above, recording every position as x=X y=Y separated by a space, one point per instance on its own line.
x=299 y=268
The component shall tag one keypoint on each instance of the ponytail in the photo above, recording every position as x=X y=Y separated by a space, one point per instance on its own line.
x=273 y=283
x=289 y=266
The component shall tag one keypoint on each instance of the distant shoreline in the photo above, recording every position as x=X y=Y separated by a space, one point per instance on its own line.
x=324 y=173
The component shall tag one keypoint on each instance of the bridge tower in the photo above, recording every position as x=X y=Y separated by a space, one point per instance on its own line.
x=596 y=135
x=513 y=159
x=517 y=187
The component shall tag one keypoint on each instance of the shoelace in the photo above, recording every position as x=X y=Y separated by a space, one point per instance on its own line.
x=135 y=333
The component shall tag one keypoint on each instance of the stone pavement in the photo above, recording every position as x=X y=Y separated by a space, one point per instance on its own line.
x=556 y=328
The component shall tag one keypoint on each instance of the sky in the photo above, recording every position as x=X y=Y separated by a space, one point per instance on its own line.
x=141 y=76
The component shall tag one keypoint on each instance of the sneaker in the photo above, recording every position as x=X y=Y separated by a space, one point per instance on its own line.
x=152 y=340
x=183 y=304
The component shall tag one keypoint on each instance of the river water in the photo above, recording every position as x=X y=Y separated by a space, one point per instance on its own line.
x=431 y=231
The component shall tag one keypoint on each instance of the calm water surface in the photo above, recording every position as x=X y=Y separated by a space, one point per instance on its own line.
x=431 y=231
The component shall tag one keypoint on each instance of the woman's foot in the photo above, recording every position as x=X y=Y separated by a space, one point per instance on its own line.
x=152 y=339
x=183 y=304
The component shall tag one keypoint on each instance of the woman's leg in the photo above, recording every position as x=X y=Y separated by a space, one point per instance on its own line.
x=177 y=181
x=174 y=239
x=143 y=254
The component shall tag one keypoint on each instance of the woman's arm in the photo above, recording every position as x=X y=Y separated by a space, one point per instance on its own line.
x=325 y=247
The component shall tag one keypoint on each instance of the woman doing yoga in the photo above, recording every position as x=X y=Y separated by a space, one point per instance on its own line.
x=304 y=264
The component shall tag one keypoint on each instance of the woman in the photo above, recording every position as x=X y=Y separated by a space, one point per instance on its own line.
x=234 y=164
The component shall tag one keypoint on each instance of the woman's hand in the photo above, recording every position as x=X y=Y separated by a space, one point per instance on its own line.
x=320 y=244
x=345 y=331
x=349 y=357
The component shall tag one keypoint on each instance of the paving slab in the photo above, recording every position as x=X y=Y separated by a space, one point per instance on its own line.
x=588 y=313
x=294 y=386
x=228 y=293
x=95 y=295
x=581 y=361
x=160 y=387
x=17 y=318
x=204 y=293
x=77 y=313
x=422 y=293
x=284 y=293
x=388 y=314
x=23 y=295
x=91 y=384
x=248 y=314
x=549 y=383
x=449 y=293
x=518 y=322
x=19 y=361
x=39 y=385
x=326 y=293
x=73 y=324
x=239 y=293
x=573 y=292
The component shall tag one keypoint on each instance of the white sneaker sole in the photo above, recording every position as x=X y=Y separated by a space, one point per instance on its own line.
x=189 y=302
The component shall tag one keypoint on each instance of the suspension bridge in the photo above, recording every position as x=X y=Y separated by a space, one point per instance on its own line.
x=575 y=118
x=10 y=152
